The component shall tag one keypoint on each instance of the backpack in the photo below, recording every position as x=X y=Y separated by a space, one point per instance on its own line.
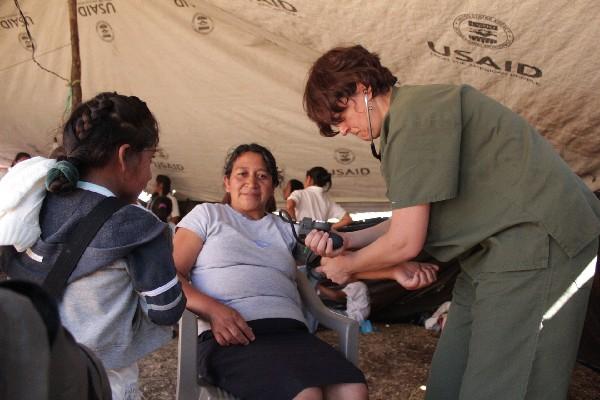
x=40 y=358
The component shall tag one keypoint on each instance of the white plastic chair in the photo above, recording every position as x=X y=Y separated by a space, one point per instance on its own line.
x=192 y=386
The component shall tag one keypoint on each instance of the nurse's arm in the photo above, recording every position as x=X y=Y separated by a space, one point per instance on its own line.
x=364 y=237
x=402 y=241
x=318 y=241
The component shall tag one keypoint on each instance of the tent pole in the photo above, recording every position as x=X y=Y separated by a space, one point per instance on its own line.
x=75 y=57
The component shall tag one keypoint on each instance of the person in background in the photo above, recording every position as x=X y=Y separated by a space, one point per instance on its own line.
x=241 y=263
x=21 y=156
x=162 y=187
x=291 y=186
x=162 y=206
x=471 y=180
x=123 y=296
x=313 y=201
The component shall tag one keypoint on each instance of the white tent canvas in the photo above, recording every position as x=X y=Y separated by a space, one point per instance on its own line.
x=217 y=73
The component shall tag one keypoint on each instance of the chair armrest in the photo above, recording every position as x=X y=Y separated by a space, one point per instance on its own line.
x=346 y=328
x=187 y=376
x=189 y=384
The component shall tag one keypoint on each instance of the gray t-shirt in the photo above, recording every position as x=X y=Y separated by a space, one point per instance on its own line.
x=245 y=264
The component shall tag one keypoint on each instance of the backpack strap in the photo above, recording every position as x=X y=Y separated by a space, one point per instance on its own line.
x=76 y=244
x=98 y=383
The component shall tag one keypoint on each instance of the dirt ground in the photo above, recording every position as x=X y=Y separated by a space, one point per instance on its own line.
x=395 y=359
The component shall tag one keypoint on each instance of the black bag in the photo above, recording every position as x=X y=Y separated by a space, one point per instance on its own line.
x=40 y=358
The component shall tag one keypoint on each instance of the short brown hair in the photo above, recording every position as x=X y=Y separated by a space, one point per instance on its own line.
x=333 y=77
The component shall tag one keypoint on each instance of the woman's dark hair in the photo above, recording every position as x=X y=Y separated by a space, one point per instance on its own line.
x=97 y=128
x=21 y=156
x=320 y=177
x=295 y=184
x=162 y=206
x=271 y=205
x=267 y=156
x=333 y=78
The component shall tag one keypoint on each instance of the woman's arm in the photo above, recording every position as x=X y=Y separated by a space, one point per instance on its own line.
x=402 y=241
x=291 y=208
x=411 y=275
x=345 y=220
x=228 y=326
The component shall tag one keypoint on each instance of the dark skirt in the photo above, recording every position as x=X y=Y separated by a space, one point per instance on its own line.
x=283 y=360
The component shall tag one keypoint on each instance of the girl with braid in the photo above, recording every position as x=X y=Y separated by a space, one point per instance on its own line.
x=123 y=296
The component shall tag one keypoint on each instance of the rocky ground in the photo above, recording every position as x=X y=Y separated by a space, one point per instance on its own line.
x=395 y=359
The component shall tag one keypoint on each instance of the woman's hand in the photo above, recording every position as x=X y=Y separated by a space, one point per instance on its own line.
x=228 y=326
x=320 y=243
x=333 y=268
x=414 y=275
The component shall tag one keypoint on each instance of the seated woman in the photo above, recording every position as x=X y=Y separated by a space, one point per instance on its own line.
x=242 y=269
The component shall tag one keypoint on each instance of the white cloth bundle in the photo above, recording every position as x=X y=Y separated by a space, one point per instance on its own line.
x=22 y=193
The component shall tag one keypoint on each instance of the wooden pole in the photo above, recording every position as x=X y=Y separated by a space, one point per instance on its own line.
x=75 y=57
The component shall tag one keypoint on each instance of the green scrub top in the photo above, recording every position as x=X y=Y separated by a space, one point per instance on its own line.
x=497 y=188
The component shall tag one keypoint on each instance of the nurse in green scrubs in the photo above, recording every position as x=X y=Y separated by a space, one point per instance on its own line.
x=468 y=179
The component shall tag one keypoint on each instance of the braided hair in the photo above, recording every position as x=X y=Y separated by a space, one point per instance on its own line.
x=95 y=130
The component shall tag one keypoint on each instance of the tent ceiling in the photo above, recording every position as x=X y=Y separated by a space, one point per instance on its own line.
x=219 y=73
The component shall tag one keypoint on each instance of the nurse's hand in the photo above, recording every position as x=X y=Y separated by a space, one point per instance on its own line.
x=415 y=275
x=333 y=268
x=321 y=244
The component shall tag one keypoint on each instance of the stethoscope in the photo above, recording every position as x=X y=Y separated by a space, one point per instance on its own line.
x=368 y=108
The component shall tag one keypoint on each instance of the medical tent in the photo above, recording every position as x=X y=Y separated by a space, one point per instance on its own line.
x=217 y=73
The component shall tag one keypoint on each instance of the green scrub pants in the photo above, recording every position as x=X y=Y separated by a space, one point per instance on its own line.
x=495 y=345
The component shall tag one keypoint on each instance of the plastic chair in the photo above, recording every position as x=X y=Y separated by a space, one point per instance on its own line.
x=192 y=386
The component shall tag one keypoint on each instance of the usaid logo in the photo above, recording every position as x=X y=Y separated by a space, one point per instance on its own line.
x=105 y=31
x=483 y=31
x=278 y=5
x=96 y=7
x=13 y=21
x=167 y=166
x=202 y=23
x=26 y=41
x=344 y=156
